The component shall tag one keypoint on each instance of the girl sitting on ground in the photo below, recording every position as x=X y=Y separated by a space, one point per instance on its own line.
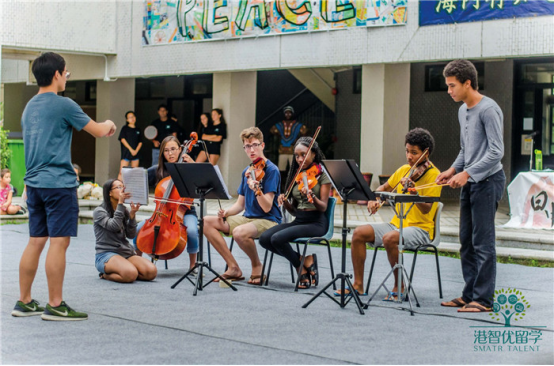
x=6 y=194
x=116 y=259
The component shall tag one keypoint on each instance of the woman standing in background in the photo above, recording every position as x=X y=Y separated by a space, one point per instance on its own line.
x=131 y=142
x=212 y=134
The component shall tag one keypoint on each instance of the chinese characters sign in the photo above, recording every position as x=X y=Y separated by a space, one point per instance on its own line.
x=532 y=201
x=174 y=21
x=458 y=11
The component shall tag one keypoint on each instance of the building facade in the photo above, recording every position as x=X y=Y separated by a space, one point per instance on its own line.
x=373 y=83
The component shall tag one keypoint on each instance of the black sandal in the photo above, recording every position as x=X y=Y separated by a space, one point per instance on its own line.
x=313 y=271
x=304 y=281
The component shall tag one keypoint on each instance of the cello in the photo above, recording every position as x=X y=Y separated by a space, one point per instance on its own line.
x=164 y=236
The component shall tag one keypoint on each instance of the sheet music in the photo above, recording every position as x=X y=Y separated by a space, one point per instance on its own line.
x=222 y=181
x=136 y=183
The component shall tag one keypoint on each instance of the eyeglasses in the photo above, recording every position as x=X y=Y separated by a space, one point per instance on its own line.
x=170 y=151
x=67 y=75
x=253 y=146
x=118 y=187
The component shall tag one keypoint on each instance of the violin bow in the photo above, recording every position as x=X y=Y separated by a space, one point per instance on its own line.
x=289 y=190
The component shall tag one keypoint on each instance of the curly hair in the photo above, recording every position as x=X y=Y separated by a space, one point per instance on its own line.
x=422 y=138
x=319 y=156
x=462 y=70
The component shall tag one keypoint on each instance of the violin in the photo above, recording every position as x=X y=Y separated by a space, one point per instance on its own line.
x=256 y=171
x=164 y=236
x=416 y=172
x=289 y=189
x=308 y=178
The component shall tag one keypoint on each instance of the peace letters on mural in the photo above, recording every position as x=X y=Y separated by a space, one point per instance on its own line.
x=458 y=11
x=176 y=21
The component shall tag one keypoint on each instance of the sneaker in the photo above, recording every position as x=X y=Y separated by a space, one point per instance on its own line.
x=62 y=313
x=29 y=309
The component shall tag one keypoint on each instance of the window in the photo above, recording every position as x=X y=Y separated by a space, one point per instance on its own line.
x=434 y=81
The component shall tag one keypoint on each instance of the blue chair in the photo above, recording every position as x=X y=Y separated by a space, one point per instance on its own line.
x=330 y=214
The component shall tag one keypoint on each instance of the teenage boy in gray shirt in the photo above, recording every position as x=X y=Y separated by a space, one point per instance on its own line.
x=478 y=171
x=47 y=124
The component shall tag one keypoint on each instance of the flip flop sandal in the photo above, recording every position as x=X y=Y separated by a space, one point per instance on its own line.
x=347 y=292
x=305 y=281
x=230 y=278
x=253 y=278
x=456 y=301
x=390 y=296
x=480 y=309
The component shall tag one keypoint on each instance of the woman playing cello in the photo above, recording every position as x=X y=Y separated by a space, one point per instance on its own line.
x=170 y=151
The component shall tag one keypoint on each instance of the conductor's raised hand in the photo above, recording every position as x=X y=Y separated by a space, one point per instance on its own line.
x=112 y=126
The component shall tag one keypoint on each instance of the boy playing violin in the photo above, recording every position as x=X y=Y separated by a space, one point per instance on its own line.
x=419 y=225
x=258 y=199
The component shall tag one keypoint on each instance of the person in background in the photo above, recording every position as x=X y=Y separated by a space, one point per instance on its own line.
x=6 y=194
x=288 y=130
x=131 y=142
x=165 y=127
x=214 y=131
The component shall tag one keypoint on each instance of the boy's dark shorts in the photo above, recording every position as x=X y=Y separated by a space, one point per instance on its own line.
x=53 y=212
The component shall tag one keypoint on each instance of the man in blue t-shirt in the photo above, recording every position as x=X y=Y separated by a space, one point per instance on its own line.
x=258 y=199
x=47 y=124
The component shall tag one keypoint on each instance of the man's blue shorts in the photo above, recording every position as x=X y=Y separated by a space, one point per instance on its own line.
x=53 y=212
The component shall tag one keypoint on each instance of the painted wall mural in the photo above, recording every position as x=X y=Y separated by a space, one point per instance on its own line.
x=177 y=21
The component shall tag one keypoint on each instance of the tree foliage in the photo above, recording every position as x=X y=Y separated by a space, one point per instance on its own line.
x=5 y=152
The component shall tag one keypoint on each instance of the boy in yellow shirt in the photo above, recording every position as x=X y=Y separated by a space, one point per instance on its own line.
x=419 y=225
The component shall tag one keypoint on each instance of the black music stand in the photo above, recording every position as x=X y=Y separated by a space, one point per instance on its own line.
x=199 y=181
x=351 y=185
x=401 y=199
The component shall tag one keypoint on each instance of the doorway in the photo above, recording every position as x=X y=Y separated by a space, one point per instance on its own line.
x=533 y=113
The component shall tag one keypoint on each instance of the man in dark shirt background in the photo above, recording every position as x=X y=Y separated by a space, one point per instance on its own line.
x=166 y=126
